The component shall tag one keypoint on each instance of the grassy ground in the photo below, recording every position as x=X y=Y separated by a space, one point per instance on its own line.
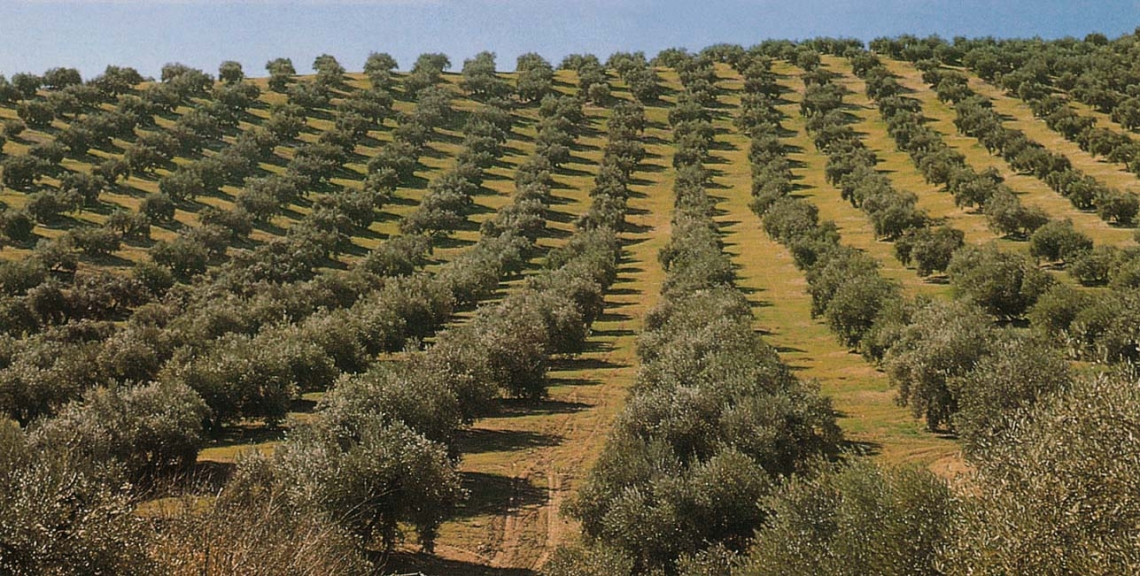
x=1033 y=192
x=863 y=399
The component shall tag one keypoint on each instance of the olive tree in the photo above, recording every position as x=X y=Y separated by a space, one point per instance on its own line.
x=1019 y=373
x=35 y=113
x=230 y=72
x=1058 y=241
x=151 y=430
x=1005 y=284
x=60 y=514
x=329 y=71
x=379 y=67
x=931 y=249
x=535 y=77
x=60 y=78
x=371 y=476
x=1063 y=477
x=856 y=519
x=941 y=342
x=281 y=71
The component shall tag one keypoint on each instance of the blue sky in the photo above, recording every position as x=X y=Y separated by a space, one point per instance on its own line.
x=89 y=34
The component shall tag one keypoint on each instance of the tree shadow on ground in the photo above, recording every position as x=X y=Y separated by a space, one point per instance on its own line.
x=409 y=563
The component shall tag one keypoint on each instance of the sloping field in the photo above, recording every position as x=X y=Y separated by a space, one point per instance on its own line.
x=602 y=315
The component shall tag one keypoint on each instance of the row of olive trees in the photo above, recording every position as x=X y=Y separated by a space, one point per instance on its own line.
x=49 y=304
x=851 y=165
x=684 y=466
x=593 y=81
x=866 y=311
x=1064 y=316
x=941 y=165
x=291 y=259
x=97 y=129
x=377 y=317
x=338 y=214
x=1052 y=241
x=1031 y=80
x=976 y=117
x=635 y=70
x=203 y=125
x=1092 y=70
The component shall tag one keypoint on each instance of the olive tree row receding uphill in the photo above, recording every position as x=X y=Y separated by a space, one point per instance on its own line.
x=715 y=419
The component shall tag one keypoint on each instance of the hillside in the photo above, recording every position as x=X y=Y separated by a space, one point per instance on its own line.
x=632 y=315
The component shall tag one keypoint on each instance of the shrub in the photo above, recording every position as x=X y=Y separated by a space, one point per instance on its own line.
x=1059 y=241
x=856 y=519
x=151 y=430
x=1004 y=284
x=942 y=342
